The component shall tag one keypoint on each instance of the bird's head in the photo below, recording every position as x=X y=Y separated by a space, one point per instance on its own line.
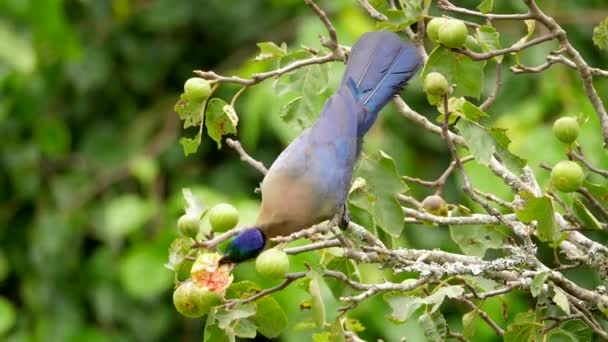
x=246 y=245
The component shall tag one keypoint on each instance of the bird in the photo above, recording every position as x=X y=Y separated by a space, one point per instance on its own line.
x=309 y=181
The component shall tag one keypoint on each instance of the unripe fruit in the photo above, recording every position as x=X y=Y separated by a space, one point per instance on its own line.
x=567 y=176
x=223 y=217
x=193 y=301
x=272 y=264
x=435 y=205
x=197 y=89
x=435 y=84
x=566 y=129
x=453 y=33
x=188 y=225
x=432 y=28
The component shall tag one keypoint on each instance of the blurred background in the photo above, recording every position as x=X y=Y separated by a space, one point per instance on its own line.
x=91 y=170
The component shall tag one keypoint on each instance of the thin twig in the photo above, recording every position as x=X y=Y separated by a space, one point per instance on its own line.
x=372 y=11
x=497 y=85
x=245 y=157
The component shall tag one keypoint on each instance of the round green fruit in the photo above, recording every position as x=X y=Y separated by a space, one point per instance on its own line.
x=188 y=225
x=453 y=33
x=566 y=129
x=435 y=84
x=435 y=205
x=272 y=264
x=567 y=176
x=193 y=301
x=432 y=28
x=197 y=89
x=223 y=217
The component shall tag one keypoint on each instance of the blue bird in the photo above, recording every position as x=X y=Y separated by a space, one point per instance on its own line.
x=308 y=183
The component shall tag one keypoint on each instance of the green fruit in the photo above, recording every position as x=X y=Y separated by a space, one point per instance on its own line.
x=432 y=28
x=197 y=89
x=193 y=301
x=188 y=225
x=435 y=84
x=566 y=129
x=567 y=176
x=272 y=264
x=435 y=205
x=453 y=33
x=223 y=217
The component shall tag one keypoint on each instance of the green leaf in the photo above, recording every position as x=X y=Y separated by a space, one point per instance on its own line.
x=141 y=274
x=472 y=112
x=213 y=333
x=300 y=112
x=437 y=297
x=434 y=326
x=243 y=289
x=346 y=266
x=270 y=50
x=600 y=192
x=190 y=145
x=270 y=318
x=512 y=161
x=476 y=239
x=317 y=305
x=397 y=20
x=485 y=6
x=469 y=323
x=337 y=332
x=378 y=196
x=415 y=9
x=600 y=34
x=458 y=69
x=537 y=283
x=530 y=26
x=402 y=307
x=322 y=337
x=191 y=113
x=525 y=328
x=571 y=331
x=489 y=39
x=310 y=84
x=125 y=214
x=178 y=251
x=8 y=316
x=220 y=120
x=480 y=142
x=561 y=299
x=237 y=319
x=585 y=216
x=194 y=205
x=540 y=209
x=16 y=50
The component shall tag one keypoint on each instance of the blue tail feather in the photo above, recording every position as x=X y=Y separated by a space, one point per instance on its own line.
x=379 y=65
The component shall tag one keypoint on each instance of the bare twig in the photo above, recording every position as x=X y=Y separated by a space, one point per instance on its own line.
x=245 y=157
x=372 y=11
x=515 y=48
x=497 y=85
x=483 y=315
x=447 y=6
x=587 y=164
x=582 y=66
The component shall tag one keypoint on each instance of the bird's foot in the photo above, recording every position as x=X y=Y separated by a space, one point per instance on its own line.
x=344 y=218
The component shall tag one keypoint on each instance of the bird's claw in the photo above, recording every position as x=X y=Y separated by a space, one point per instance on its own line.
x=344 y=218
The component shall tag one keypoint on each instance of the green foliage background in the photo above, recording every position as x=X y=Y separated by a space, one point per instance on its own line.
x=91 y=170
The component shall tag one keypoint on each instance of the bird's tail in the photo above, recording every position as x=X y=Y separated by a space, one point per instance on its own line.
x=379 y=65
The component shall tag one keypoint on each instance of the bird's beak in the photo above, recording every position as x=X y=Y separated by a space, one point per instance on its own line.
x=225 y=261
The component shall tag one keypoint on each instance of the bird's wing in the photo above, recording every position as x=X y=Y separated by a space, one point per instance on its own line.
x=310 y=179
